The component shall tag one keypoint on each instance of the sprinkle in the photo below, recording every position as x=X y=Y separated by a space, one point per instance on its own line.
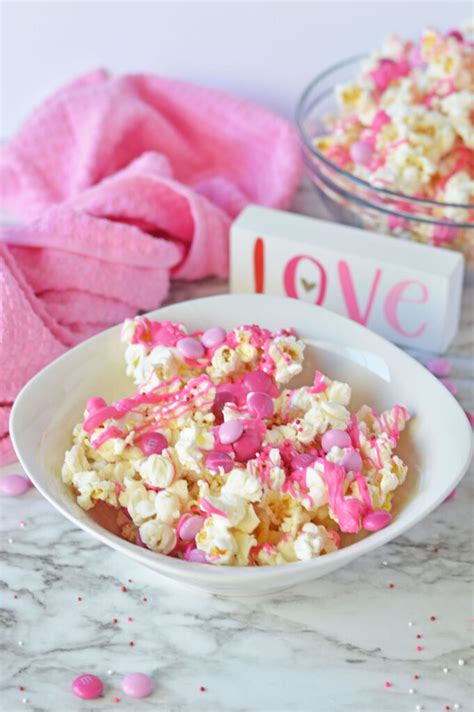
x=202 y=689
x=10 y=540
x=445 y=670
x=130 y=619
x=21 y=688
x=461 y=662
x=411 y=691
x=388 y=684
x=416 y=677
x=436 y=549
x=79 y=598
x=22 y=523
x=457 y=706
x=410 y=624
x=20 y=643
x=123 y=589
x=116 y=699
x=418 y=708
x=15 y=596
x=25 y=701
x=115 y=620
x=131 y=643
x=145 y=599
x=385 y=563
x=447 y=707
x=110 y=672
x=391 y=585
x=419 y=648
x=418 y=636
x=432 y=618
x=129 y=580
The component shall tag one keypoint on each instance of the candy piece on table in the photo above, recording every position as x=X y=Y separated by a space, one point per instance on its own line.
x=374 y=521
x=260 y=405
x=88 y=687
x=152 y=443
x=15 y=485
x=258 y=381
x=190 y=348
x=352 y=461
x=361 y=152
x=95 y=403
x=189 y=525
x=213 y=337
x=196 y=556
x=246 y=447
x=216 y=460
x=230 y=431
x=450 y=385
x=137 y=684
x=439 y=367
x=335 y=438
x=299 y=462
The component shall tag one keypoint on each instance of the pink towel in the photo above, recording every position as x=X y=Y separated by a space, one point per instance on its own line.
x=126 y=182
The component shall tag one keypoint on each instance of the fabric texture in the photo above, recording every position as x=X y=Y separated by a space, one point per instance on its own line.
x=121 y=184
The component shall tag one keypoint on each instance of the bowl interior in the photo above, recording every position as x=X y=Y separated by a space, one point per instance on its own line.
x=379 y=373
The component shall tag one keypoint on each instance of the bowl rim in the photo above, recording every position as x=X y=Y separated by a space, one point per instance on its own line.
x=213 y=574
x=300 y=114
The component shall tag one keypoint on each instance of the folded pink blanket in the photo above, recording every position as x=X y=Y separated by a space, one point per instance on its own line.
x=125 y=182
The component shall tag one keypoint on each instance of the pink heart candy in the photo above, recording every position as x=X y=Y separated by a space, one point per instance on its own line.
x=260 y=405
x=246 y=447
x=190 y=348
x=213 y=337
x=374 y=521
x=152 y=443
x=335 y=438
x=88 y=687
x=15 y=485
x=230 y=431
x=216 y=460
x=137 y=684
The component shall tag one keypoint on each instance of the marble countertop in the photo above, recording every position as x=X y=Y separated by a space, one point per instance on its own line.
x=329 y=645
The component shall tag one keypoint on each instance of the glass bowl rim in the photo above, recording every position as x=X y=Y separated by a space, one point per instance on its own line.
x=300 y=117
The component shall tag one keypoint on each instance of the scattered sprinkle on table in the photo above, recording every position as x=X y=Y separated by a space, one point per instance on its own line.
x=410 y=624
x=116 y=699
x=432 y=618
x=391 y=585
x=131 y=643
x=202 y=689
x=388 y=684
x=419 y=648
x=416 y=677
x=129 y=619
x=461 y=662
x=123 y=589
x=445 y=670
x=411 y=691
x=115 y=620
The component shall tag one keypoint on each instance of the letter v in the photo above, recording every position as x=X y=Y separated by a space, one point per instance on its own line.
x=349 y=294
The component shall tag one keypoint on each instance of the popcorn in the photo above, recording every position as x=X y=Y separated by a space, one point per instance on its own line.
x=269 y=490
x=405 y=124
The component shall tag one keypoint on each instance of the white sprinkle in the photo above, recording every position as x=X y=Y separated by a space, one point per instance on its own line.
x=457 y=706
x=410 y=624
x=110 y=672
x=418 y=708
x=20 y=643
x=10 y=541
x=411 y=691
x=461 y=662
x=22 y=524
x=445 y=669
x=25 y=701
x=385 y=563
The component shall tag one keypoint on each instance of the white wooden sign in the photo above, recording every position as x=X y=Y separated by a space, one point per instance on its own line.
x=409 y=293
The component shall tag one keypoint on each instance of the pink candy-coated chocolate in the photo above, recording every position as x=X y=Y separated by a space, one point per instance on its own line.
x=352 y=461
x=230 y=431
x=374 y=521
x=246 y=447
x=15 y=485
x=303 y=460
x=444 y=233
x=335 y=438
x=196 y=556
x=439 y=367
x=213 y=337
x=95 y=403
x=137 y=684
x=88 y=687
x=216 y=460
x=190 y=348
x=456 y=35
x=258 y=381
x=152 y=443
x=361 y=152
x=189 y=525
x=260 y=405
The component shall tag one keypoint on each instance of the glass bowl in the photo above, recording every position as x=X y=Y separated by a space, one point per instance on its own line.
x=353 y=201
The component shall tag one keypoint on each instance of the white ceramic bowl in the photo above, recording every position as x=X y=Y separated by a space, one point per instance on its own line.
x=436 y=446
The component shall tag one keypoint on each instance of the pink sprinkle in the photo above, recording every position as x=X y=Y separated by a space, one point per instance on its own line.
x=439 y=367
x=436 y=549
x=391 y=585
x=202 y=689
x=129 y=619
x=116 y=699
x=388 y=684
x=432 y=618
x=450 y=385
x=22 y=524
x=419 y=648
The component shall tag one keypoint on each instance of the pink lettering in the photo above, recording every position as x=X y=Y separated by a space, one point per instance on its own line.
x=289 y=278
x=393 y=299
x=349 y=294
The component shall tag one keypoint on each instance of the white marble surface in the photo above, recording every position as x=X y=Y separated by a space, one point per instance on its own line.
x=330 y=645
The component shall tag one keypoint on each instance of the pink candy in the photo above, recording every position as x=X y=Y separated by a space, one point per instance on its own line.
x=190 y=348
x=95 y=403
x=450 y=385
x=88 y=687
x=439 y=367
x=335 y=438
x=361 y=152
x=196 y=556
x=352 y=461
x=380 y=119
x=246 y=447
x=230 y=431
x=152 y=443
x=374 y=521
x=213 y=337
x=14 y=485
x=137 y=684
x=260 y=405
x=216 y=460
x=189 y=525
x=258 y=381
